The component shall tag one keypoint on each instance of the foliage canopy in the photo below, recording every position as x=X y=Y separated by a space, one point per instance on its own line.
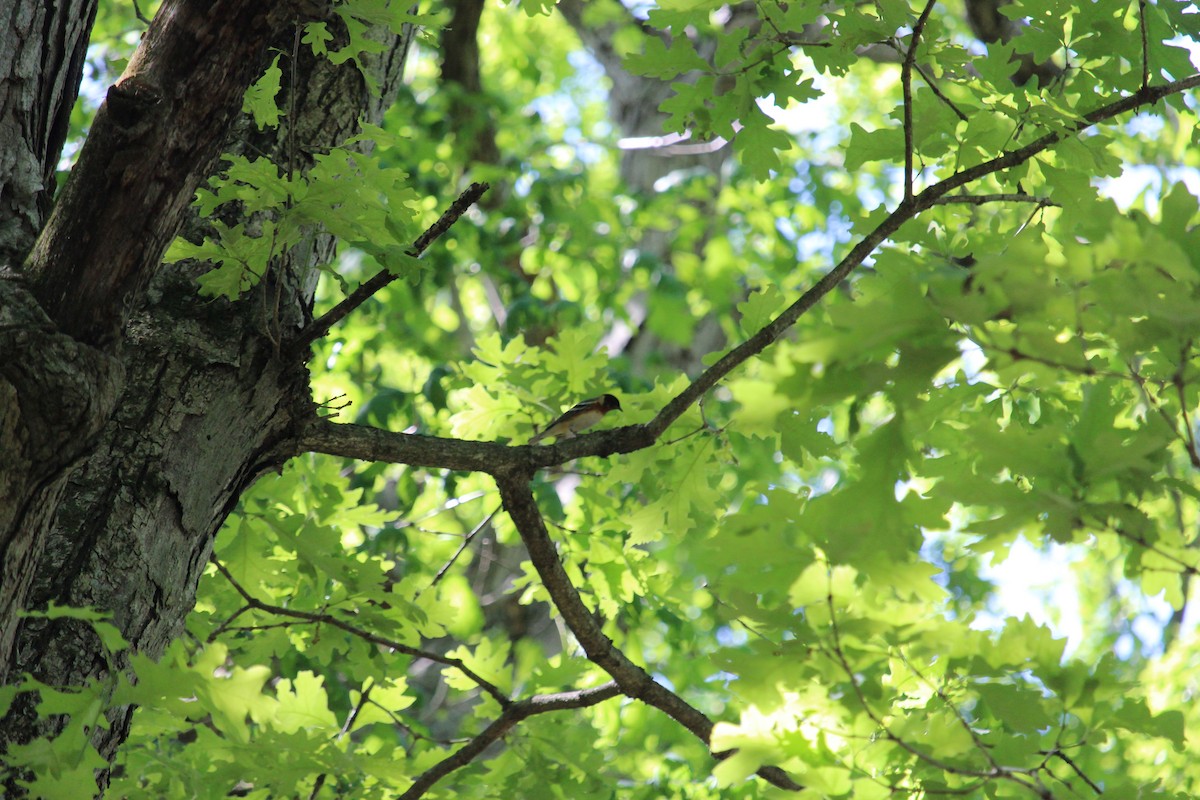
x=958 y=340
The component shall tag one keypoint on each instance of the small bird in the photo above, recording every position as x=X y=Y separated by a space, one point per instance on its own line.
x=579 y=417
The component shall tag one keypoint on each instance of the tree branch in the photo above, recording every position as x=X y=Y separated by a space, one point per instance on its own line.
x=364 y=694
x=367 y=443
x=441 y=573
x=1145 y=44
x=929 y=197
x=1066 y=759
x=508 y=719
x=634 y=681
x=982 y=199
x=365 y=635
x=320 y=435
x=513 y=467
x=906 y=69
x=933 y=87
x=1015 y=775
x=319 y=327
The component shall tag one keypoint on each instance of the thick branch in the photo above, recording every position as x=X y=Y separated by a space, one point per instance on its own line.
x=508 y=719
x=155 y=137
x=322 y=435
x=634 y=681
x=366 y=443
x=320 y=327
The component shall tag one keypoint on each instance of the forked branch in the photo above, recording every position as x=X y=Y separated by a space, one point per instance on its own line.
x=522 y=709
x=634 y=681
x=906 y=69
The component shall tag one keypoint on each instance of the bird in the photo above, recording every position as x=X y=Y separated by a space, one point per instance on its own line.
x=581 y=416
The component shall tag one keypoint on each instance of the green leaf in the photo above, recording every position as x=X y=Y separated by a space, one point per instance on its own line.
x=758 y=309
x=881 y=144
x=660 y=61
x=260 y=97
x=317 y=36
x=303 y=704
x=759 y=146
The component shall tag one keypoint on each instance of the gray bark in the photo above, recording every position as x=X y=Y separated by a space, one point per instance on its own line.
x=42 y=47
x=133 y=413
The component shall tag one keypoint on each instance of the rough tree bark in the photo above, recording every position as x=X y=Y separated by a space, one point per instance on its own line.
x=133 y=413
x=42 y=49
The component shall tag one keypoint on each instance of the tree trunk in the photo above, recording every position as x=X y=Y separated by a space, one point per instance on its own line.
x=42 y=48
x=134 y=413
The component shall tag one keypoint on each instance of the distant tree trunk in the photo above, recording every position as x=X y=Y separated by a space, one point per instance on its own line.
x=133 y=413
x=649 y=155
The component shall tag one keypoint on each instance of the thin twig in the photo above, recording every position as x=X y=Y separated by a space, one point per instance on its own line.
x=1066 y=759
x=1181 y=391
x=365 y=635
x=1184 y=568
x=449 y=505
x=929 y=81
x=1029 y=219
x=349 y=723
x=1145 y=44
x=980 y=745
x=466 y=542
x=319 y=327
x=687 y=435
x=137 y=12
x=1186 y=436
x=1014 y=775
x=906 y=86
x=227 y=624
x=1017 y=354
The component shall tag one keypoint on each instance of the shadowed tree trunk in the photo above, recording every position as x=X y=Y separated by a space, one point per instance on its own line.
x=133 y=413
